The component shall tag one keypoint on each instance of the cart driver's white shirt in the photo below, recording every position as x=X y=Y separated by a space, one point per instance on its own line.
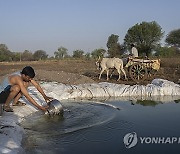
x=134 y=52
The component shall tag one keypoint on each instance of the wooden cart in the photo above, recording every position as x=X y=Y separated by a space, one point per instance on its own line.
x=141 y=69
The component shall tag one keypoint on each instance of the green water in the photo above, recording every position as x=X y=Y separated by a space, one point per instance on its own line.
x=91 y=128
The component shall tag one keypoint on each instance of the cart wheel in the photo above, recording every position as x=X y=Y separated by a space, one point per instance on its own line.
x=138 y=72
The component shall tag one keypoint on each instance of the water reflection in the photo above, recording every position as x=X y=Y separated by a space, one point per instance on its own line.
x=147 y=102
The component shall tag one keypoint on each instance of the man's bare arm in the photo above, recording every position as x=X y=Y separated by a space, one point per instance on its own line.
x=26 y=94
x=38 y=87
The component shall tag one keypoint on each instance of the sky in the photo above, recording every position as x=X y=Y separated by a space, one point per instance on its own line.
x=78 y=24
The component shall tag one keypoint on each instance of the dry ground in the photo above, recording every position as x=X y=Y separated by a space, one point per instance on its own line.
x=81 y=71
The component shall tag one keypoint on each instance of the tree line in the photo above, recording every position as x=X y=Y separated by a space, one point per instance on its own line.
x=146 y=36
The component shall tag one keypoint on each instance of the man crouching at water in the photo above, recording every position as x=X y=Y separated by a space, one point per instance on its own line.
x=17 y=85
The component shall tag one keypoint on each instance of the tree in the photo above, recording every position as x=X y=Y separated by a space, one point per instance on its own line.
x=166 y=52
x=173 y=38
x=3 y=47
x=5 y=53
x=78 y=53
x=98 y=53
x=39 y=55
x=88 y=56
x=145 y=35
x=61 y=53
x=27 y=56
x=17 y=56
x=113 y=46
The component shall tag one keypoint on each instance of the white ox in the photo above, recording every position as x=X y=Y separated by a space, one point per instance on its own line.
x=108 y=63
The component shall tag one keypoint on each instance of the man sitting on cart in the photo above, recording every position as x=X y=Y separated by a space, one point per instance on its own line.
x=134 y=51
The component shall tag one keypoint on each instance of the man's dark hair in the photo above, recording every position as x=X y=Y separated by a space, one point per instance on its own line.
x=29 y=71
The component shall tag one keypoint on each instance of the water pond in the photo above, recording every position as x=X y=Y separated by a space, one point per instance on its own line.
x=103 y=127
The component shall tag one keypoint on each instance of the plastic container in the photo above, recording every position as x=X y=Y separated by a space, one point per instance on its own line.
x=55 y=108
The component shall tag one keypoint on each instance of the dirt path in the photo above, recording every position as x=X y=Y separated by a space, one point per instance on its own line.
x=79 y=72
